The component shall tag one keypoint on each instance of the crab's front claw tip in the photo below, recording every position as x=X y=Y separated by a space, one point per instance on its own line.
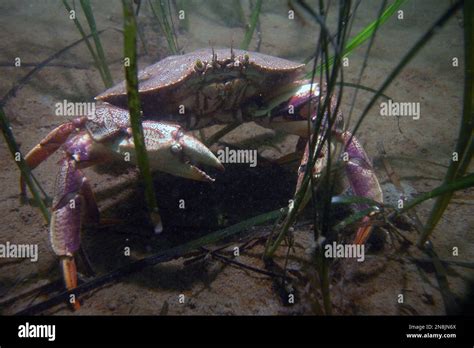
x=188 y=154
x=174 y=152
x=199 y=153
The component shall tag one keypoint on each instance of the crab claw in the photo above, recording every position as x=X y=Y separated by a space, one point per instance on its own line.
x=172 y=151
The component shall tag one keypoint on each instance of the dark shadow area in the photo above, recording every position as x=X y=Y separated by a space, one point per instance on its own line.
x=239 y=193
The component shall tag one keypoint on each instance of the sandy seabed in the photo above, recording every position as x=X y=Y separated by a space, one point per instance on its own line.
x=34 y=31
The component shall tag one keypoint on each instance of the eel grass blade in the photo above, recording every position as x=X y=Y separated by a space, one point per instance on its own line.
x=464 y=146
x=86 y=7
x=89 y=45
x=22 y=82
x=253 y=23
x=331 y=76
x=25 y=170
x=434 y=28
x=130 y=51
x=162 y=256
x=239 y=11
x=363 y=35
x=160 y=13
x=446 y=188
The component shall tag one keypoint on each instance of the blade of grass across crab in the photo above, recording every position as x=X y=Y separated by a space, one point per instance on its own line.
x=324 y=222
x=130 y=42
x=465 y=143
x=89 y=45
x=271 y=246
x=251 y=28
x=24 y=169
x=86 y=7
x=162 y=256
x=325 y=39
x=317 y=139
x=328 y=197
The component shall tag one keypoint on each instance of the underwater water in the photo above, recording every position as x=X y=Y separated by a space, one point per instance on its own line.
x=203 y=283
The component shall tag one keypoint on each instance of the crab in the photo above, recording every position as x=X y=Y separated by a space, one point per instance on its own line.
x=179 y=94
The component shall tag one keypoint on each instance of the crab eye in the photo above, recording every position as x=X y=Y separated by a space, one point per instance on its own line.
x=176 y=148
x=199 y=66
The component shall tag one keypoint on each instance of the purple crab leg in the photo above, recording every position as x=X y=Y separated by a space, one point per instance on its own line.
x=73 y=201
x=362 y=179
x=359 y=169
x=292 y=115
x=359 y=173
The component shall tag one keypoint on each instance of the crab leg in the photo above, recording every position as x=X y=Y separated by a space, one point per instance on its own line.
x=73 y=203
x=169 y=148
x=362 y=179
x=359 y=172
x=292 y=114
x=50 y=144
x=69 y=270
x=72 y=198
